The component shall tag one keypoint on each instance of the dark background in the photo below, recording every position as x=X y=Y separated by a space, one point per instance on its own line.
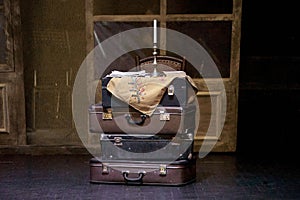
x=269 y=94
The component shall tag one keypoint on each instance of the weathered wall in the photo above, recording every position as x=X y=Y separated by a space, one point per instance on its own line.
x=54 y=47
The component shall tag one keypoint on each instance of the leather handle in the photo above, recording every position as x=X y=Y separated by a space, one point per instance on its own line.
x=132 y=122
x=137 y=179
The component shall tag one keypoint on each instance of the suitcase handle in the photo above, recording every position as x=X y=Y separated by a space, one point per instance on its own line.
x=137 y=179
x=131 y=121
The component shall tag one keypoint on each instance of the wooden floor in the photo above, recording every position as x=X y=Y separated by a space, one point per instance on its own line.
x=219 y=176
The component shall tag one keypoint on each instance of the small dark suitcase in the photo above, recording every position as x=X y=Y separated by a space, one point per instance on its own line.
x=109 y=100
x=143 y=173
x=164 y=120
x=146 y=147
x=182 y=92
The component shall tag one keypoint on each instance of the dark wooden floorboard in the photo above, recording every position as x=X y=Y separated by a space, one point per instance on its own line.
x=219 y=176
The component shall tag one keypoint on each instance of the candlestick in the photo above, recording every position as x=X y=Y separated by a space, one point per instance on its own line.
x=155 y=72
x=155 y=32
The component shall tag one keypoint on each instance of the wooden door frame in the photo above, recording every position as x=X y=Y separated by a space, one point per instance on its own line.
x=12 y=80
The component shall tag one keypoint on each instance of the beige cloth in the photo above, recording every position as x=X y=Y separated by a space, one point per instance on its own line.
x=143 y=93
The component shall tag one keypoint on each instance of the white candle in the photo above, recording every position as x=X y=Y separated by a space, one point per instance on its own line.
x=155 y=31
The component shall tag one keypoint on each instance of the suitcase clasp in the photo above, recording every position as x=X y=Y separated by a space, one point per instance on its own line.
x=118 y=141
x=107 y=115
x=163 y=170
x=105 y=169
x=171 y=90
x=164 y=116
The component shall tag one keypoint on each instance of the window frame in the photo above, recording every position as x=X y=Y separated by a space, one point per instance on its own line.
x=164 y=18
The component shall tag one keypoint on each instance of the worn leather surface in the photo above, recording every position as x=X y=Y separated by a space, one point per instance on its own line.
x=180 y=120
x=177 y=173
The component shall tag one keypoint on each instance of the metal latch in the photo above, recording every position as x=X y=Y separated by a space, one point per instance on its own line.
x=118 y=141
x=107 y=115
x=164 y=116
x=171 y=90
x=163 y=170
x=105 y=169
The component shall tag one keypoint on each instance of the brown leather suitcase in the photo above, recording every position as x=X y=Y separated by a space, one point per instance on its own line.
x=146 y=147
x=143 y=173
x=165 y=120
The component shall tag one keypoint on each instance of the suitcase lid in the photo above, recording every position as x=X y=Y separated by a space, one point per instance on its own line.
x=147 y=137
x=142 y=164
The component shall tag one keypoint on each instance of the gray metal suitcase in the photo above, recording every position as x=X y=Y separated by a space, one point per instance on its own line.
x=146 y=147
x=143 y=173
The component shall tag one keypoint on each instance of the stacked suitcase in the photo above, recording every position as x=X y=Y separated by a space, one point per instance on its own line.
x=141 y=149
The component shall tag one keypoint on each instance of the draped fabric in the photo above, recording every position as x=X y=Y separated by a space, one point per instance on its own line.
x=143 y=93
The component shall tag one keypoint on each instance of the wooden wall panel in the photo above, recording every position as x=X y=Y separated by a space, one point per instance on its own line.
x=210 y=113
x=3 y=111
